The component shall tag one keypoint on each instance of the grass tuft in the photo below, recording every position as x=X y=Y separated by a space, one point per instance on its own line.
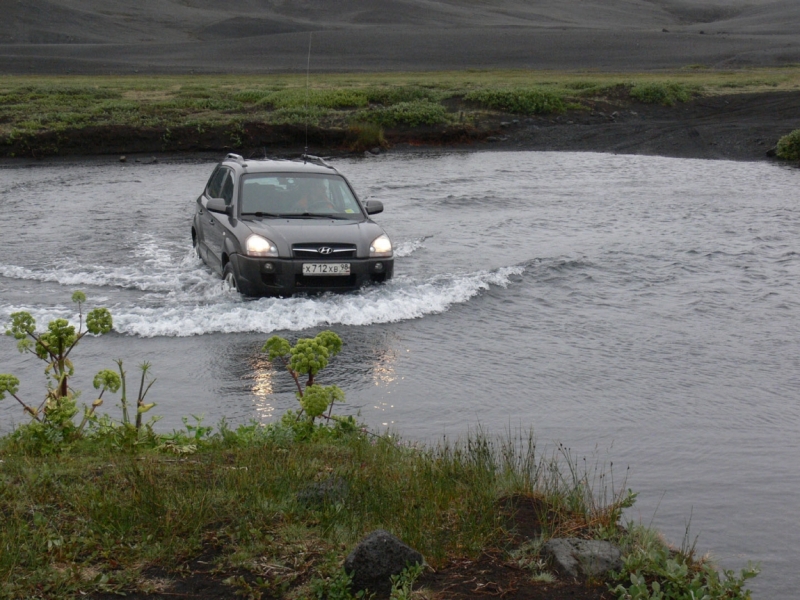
x=789 y=146
x=365 y=136
x=666 y=93
x=519 y=101
x=411 y=114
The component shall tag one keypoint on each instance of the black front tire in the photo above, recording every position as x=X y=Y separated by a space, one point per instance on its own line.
x=229 y=279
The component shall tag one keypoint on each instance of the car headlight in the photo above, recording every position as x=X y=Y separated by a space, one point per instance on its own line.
x=260 y=246
x=380 y=246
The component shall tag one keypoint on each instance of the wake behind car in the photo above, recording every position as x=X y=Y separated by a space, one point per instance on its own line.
x=280 y=227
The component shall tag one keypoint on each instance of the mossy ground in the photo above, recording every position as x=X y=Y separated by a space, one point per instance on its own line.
x=41 y=115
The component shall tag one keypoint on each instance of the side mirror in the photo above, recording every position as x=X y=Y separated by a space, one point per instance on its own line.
x=218 y=205
x=373 y=207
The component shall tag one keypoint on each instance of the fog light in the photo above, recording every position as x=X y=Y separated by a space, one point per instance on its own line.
x=379 y=266
x=269 y=267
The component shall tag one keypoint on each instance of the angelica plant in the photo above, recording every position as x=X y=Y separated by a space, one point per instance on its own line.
x=307 y=358
x=54 y=346
x=52 y=420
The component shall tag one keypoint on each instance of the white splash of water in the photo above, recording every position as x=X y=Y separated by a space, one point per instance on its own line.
x=190 y=312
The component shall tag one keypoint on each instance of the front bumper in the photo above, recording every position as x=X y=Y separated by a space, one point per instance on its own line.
x=284 y=276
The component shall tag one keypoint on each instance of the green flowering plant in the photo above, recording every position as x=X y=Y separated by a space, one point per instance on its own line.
x=54 y=346
x=307 y=358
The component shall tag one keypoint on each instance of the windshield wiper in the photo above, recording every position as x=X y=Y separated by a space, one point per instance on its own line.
x=260 y=214
x=308 y=215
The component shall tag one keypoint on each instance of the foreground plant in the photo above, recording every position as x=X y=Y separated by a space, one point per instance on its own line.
x=308 y=357
x=653 y=571
x=54 y=346
x=52 y=420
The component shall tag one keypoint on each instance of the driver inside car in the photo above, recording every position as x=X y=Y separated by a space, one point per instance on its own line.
x=313 y=196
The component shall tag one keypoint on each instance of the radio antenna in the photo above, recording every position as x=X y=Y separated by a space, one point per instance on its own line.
x=308 y=70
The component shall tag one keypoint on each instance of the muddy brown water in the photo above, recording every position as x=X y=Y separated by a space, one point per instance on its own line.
x=640 y=310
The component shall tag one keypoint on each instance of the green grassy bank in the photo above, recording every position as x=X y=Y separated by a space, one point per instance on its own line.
x=273 y=515
x=56 y=115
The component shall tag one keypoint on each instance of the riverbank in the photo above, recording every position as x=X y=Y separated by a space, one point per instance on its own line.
x=272 y=513
x=738 y=115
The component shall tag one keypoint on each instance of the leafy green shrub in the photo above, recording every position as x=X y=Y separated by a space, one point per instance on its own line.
x=250 y=96
x=308 y=357
x=299 y=97
x=395 y=95
x=298 y=115
x=52 y=423
x=660 y=93
x=519 y=101
x=412 y=114
x=652 y=571
x=789 y=146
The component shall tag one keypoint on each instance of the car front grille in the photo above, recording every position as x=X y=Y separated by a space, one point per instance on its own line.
x=324 y=251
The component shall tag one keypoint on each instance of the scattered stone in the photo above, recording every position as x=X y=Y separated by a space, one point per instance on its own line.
x=772 y=152
x=504 y=124
x=376 y=150
x=583 y=558
x=665 y=30
x=328 y=491
x=123 y=159
x=492 y=138
x=375 y=559
x=702 y=32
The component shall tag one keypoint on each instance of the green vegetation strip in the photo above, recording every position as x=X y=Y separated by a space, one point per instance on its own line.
x=31 y=106
x=108 y=506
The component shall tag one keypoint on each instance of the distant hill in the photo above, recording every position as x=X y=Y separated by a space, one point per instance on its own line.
x=174 y=36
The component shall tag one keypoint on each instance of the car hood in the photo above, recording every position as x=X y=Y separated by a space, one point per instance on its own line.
x=286 y=232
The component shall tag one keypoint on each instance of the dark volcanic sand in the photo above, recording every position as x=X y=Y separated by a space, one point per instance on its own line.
x=250 y=36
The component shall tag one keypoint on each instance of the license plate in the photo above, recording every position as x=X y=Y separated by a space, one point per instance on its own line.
x=326 y=268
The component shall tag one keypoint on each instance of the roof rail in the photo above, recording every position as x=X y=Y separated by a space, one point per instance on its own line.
x=236 y=157
x=315 y=159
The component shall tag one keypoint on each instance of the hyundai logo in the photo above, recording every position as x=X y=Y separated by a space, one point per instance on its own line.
x=325 y=250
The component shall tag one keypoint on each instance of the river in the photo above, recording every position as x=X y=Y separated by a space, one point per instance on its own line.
x=640 y=310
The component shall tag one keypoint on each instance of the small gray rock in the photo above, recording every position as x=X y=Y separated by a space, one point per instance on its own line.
x=582 y=558
x=375 y=559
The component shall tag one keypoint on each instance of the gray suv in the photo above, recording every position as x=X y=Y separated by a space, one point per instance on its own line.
x=280 y=227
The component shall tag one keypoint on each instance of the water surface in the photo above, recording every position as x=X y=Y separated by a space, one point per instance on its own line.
x=641 y=310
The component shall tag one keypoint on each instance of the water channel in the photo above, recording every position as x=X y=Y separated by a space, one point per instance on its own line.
x=643 y=311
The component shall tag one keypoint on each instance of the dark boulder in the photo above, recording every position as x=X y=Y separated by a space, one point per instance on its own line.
x=375 y=559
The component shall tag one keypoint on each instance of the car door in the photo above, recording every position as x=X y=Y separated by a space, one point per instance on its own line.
x=215 y=224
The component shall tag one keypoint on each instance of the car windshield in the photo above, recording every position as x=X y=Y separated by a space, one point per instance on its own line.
x=297 y=194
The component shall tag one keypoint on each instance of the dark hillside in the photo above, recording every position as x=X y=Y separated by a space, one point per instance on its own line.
x=174 y=36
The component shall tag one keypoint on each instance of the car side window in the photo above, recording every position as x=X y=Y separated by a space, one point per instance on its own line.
x=214 y=187
x=227 y=189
